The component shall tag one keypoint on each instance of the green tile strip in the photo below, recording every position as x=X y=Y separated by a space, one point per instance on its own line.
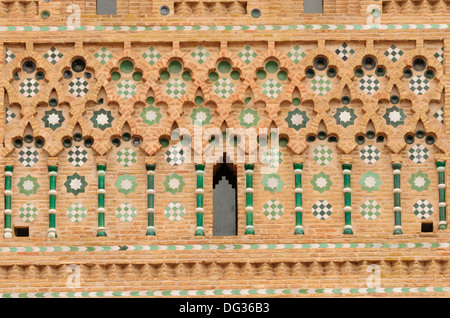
x=347 y=170
x=150 y=199
x=298 y=169
x=249 y=228
x=221 y=247
x=357 y=27
x=232 y=292
x=101 y=172
x=52 y=172
x=397 y=200
x=440 y=166
x=199 y=171
x=7 y=196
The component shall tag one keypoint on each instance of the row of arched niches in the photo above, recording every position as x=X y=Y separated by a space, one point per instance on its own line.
x=341 y=92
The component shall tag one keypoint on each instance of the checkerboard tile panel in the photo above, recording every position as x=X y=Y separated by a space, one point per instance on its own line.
x=273 y=210
x=77 y=156
x=423 y=209
x=322 y=209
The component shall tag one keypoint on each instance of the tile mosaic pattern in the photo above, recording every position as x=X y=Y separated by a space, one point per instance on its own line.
x=151 y=115
x=370 y=181
x=439 y=55
x=53 y=55
x=419 y=84
x=9 y=55
x=126 y=184
x=393 y=53
x=28 y=185
x=78 y=87
x=321 y=85
x=76 y=212
x=439 y=115
x=75 y=184
x=423 y=209
x=151 y=55
x=321 y=182
x=247 y=54
x=296 y=54
x=273 y=209
x=344 y=51
x=248 y=118
x=201 y=116
x=369 y=84
x=77 y=156
x=369 y=154
x=103 y=55
x=9 y=115
x=174 y=211
x=322 y=209
x=200 y=54
x=418 y=154
x=126 y=212
x=224 y=87
x=394 y=116
x=176 y=88
x=297 y=119
x=174 y=183
x=102 y=119
x=271 y=88
x=345 y=116
x=28 y=156
x=28 y=212
x=322 y=155
x=53 y=119
x=370 y=210
x=272 y=157
x=126 y=89
x=175 y=155
x=126 y=157
x=272 y=183
x=419 y=181
x=29 y=87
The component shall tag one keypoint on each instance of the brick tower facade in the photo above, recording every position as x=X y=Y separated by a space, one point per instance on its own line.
x=335 y=125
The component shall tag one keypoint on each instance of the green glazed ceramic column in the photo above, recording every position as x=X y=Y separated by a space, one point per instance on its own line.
x=101 y=173
x=150 y=199
x=52 y=172
x=440 y=167
x=8 y=176
x=397 y=199
x=298 y=170
x=249 y=229
x=199 y=171
x=347 y=170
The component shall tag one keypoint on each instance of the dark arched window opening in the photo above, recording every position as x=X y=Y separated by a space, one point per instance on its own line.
x=224 y=200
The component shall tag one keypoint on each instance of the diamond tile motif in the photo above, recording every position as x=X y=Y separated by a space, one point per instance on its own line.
x=77 y=156
x=370 y=210
x=345 y=116
x=53 y=55
x=29 y=87
x=126 y=157
x=201 y=116
x=344 y=51
x=296 y=54
x=9 y=55
x=393 y=53
x=321 y=85
x=418 y=154
x=151 y=56
x=174 y=211
x=273 y=210
x=439 y=55
x=126 y=212
x=224 y=87
x=321 y=182
x=395 y=116
x=28 y=185
x=102 y=119
x=53 y=119
x=369 y=84
x=419 y=85
x=28 y=156
x=151 y=115
x=248 y=118
x=9 y=115
x=423 y=209
x=297 y=119
x=272 y=157
x=175 y=156
x=419 y=181
x=322 y=155
x=370 y=181
x=76 y=212
x=439 y=115
x=247 y=54
x=75 y=184
x=78 y=87
x=28 y=212
x=369 y=154
x=174 y=183
x=176 y=88
x=322 y=209
x=271 y=88
x=272 y=183
x=126 y=184
x=126 y=89
x=200 y=54
x=103 y=55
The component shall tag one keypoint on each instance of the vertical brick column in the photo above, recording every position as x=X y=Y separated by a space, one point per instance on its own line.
x=52 y=173
x=199 y=171
x=8 y=193
x=440 y=167
x=101 y=174
x=150 y=167
x=249 y=168
x=396 y=166
x=298 y=170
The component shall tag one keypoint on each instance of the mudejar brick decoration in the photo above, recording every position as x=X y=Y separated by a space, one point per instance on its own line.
x=334 y=126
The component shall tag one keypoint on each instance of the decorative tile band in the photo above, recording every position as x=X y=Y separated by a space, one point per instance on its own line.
x=220 y=247
x=357 y=27
x=232 y=292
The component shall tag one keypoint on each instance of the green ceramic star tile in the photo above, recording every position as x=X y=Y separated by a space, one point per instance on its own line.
x=321 y=182
x=297 y=119
x=201 y=116
x=75 y=184
x=345 y=116
x=248 y=118
x=370 y=181
x=419 y=181
x=272 y=182
x=28 y=185
x=126 y=184
x=151 y=115
x=174 y=183
x=395 y=116
x=53 y=119
x=102 y=119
